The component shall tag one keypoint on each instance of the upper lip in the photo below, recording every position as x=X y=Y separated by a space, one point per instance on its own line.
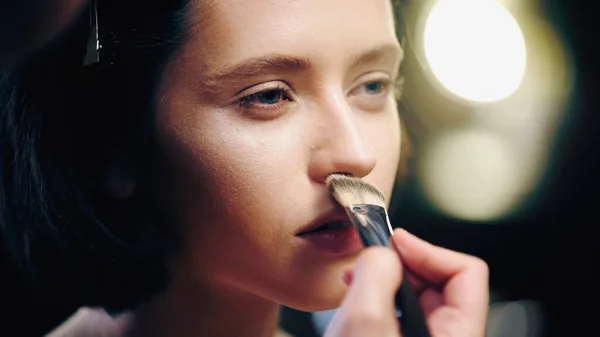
x=334 y=214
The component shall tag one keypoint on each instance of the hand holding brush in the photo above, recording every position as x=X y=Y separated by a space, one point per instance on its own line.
x=434 y=291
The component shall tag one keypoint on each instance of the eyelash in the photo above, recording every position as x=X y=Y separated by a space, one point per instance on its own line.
x=247 y=102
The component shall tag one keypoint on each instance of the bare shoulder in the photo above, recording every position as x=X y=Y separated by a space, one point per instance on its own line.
x=88 y=322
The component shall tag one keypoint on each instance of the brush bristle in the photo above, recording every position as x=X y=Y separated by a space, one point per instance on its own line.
x=352 y=191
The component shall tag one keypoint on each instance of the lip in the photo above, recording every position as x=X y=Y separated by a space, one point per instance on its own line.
x=341 y=241
x=335 y=214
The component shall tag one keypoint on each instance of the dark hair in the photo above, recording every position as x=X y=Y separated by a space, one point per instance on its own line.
x=61 y=126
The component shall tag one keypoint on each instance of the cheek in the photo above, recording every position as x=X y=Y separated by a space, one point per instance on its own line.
x=383 y=133
x=234 y=184
x=249 y=161
x=234 y=174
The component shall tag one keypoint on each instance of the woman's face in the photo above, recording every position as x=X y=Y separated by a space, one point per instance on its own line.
x=263 y=101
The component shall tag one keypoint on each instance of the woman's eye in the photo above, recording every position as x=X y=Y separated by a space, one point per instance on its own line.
x=373 y=88
x=267 y=103
x=371 y=95
x=266 y=97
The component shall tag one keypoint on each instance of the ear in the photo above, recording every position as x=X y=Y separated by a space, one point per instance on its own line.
x=118 y=182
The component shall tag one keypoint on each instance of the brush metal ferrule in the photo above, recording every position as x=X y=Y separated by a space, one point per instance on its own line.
x=372 y=223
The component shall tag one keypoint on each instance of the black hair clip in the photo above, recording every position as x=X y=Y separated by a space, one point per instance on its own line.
x=92 y=55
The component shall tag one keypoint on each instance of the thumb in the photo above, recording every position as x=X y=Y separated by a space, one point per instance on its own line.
x=376 y=279
x=368 y=308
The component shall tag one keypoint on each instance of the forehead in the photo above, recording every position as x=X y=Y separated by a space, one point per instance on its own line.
x=232 y=30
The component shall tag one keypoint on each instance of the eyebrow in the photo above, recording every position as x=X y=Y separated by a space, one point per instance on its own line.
x=258 y=66
x=278 y=63
x=377 y=53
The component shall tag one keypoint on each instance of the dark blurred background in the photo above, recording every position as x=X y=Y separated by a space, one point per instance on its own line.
x=526 y=199
x=540 y=249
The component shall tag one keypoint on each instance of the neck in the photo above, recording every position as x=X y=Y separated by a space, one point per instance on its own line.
x=216 y=310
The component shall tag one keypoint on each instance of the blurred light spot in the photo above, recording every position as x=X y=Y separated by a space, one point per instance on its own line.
x=472 y=175
x=475 y=49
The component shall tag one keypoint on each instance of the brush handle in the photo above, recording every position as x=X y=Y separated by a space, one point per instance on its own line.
x=373 y=226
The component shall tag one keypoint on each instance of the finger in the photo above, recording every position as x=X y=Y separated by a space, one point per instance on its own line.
x=432 y=263
x=368 y=308
x=376 y=277
x=417 y=284
x=430 y=300
x=464 y=278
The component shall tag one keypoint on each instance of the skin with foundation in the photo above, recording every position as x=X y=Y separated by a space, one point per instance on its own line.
x=251 y=128
x=260 y=103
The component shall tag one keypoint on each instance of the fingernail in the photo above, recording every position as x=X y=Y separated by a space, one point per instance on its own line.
x=347 y=276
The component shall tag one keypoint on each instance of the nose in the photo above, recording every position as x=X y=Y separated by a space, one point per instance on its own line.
x=340 y=145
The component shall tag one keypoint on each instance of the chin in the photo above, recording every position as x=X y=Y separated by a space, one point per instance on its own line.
x=313 y=300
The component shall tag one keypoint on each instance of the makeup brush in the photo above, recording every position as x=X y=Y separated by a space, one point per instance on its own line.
x=365 y=206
